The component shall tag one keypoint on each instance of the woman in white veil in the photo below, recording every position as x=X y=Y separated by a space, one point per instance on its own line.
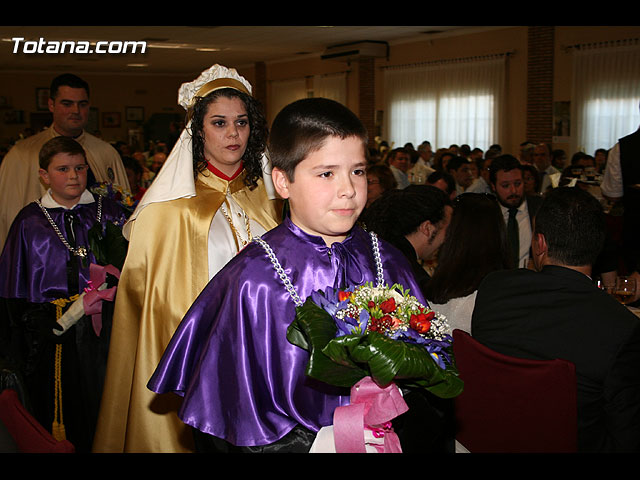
x=212 y=195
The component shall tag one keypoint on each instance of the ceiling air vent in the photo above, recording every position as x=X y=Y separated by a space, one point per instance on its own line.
x=346 y=52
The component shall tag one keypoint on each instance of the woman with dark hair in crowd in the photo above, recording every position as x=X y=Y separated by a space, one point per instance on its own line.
x=531 y=178
x=208 y=201
x=475 y=245
x=380 y=179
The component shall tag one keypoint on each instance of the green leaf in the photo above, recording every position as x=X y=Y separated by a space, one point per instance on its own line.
x=312 y=329
x=344 y=360
x=110 y=248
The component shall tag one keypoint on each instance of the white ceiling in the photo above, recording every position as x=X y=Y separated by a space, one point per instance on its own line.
x=237 y=46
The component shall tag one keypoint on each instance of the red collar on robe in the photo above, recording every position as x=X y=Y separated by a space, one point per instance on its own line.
x=223 y=176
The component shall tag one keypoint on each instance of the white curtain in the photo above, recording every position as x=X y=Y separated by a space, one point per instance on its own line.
x=333 y=86
x=606 y=86
x=445 y=103
x=282 y=93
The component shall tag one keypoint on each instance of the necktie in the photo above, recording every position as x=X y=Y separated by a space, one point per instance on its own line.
x=72 y=264
x=513 y=236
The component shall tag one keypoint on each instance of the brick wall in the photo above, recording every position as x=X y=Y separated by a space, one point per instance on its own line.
x=366 y=92
x=540 y=84
x=260 y=84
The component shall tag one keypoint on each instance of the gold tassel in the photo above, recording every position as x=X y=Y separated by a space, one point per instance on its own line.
x=57 y=428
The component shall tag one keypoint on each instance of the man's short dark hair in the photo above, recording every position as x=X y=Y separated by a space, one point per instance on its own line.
x=58 y=145
x=400 y=212
x=504 y=162
x=573 y=224
x=303 y=126
x=66 y=80
x=456 y=162
x=396 y=151
x=440 y=175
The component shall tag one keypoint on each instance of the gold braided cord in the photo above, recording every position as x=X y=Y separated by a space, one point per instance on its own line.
x=57 y=428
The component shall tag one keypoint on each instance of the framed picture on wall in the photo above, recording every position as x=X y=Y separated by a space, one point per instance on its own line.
x=42 y=98
x=111 y=119
x=134 y=114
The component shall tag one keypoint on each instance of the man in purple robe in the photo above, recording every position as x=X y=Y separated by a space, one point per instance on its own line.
x=243 y=383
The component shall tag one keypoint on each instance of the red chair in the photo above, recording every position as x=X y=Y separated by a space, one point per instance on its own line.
x=28 y=434
x=513 y=405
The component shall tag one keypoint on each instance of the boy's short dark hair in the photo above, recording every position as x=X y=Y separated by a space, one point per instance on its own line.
x=67 y=80
x=59 y=145
x=303 y=126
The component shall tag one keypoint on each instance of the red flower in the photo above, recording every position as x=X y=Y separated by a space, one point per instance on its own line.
x=388 y=306
x=343 y=295
x=421 y=322
x=371 y=304
x=380 y=324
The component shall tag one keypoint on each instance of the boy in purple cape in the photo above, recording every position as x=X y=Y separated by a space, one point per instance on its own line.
x=44 y=265
x=243 y=383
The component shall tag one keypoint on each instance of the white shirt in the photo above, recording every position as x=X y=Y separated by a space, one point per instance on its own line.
x=222 y=245
x=458 y=311
x=545 y=176
x=612 y=183
x=524 y=230
x=479 y=185
x=401 y=177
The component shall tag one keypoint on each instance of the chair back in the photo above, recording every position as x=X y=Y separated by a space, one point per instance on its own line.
x=28 y=434
x=513 y=405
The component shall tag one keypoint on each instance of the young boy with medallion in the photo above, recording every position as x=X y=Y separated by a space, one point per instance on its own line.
x=243 y=383
x=44 y=266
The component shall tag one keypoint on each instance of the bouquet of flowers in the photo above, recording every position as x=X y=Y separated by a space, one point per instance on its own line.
x=115 y=193
x=378 y=332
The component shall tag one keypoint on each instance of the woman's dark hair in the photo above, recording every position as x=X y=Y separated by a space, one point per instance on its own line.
x=252 y=158
x=474 y=246
x=534 y=172
x=385 y=175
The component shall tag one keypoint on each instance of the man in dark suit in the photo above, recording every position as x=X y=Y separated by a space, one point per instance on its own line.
x=507 y=182
x=557 y=312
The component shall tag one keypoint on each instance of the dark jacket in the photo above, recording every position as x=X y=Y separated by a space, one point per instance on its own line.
x=559 y=313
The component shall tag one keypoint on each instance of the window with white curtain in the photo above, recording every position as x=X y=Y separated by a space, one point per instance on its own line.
x=445 y=102
x=333 y=86
x=606 y=94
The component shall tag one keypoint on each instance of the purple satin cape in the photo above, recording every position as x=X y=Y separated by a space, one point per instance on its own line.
x=241 y=379
x=33 y=264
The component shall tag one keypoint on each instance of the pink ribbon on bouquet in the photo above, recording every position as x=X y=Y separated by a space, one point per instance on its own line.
x=93 y=298
x=371 y=407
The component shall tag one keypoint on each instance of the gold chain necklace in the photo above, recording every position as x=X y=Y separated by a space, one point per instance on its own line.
x=233 y=228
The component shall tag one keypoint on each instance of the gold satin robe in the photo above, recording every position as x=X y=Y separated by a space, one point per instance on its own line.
x=164 y=272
